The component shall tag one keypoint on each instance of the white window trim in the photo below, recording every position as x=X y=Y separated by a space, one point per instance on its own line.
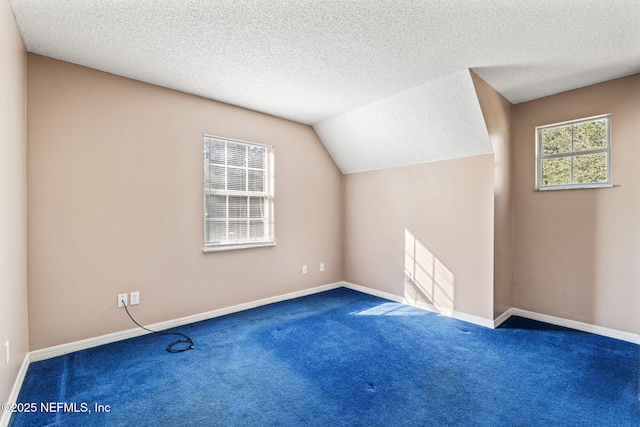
x=539 y=157
x=231 y=247
x=217 y=247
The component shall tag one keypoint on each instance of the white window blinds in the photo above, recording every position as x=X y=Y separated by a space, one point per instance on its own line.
x=238 y=194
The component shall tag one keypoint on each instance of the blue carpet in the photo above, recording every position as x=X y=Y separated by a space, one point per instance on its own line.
x=342 y=358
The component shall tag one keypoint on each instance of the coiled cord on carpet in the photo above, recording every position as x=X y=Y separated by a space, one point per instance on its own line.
x=170 y=349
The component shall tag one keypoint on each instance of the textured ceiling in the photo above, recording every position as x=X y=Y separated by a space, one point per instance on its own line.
x=436 y=121
x=310 y=61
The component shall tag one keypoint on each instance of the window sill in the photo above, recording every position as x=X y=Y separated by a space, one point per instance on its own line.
x=239 y=246
x=574 y=187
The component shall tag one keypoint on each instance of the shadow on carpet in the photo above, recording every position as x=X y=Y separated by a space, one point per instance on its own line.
x=341 y=358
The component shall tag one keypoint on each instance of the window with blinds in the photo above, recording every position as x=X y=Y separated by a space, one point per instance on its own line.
x=238 y=194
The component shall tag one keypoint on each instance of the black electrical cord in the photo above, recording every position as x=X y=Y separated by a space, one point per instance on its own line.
x=170 y=349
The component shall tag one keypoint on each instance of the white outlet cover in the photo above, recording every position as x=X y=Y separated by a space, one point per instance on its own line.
x=121 y=297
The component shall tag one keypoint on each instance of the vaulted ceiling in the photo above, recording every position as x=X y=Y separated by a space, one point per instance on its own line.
x=384 y=82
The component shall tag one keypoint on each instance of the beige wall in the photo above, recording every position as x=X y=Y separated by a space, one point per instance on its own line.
x=497 y=115
x=577 y=252
x=115 y=205
x=448 y=208
x=13 y=198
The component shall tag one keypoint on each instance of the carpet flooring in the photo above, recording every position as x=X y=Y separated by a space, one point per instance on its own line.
x=341 y=358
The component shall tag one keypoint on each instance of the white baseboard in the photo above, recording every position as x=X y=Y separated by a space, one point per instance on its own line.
x=572 y=324
x=422 y=305
x=59 y=350
x=580 y=326
x=476 y=320
x=389 y=296
x=502 y=318
x=15 y=390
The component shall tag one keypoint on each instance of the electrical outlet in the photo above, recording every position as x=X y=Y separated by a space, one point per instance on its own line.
x=322 y=266
x=7 y=353
x=122 y=300
x=304 y=269
x=135 y=298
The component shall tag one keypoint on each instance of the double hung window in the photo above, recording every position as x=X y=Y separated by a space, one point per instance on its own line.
x=238 y=194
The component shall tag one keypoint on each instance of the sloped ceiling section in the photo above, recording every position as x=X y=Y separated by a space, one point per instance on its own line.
x=435 y=121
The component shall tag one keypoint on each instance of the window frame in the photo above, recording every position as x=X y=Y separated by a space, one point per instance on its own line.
x=571 y=154
x=268 y=216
